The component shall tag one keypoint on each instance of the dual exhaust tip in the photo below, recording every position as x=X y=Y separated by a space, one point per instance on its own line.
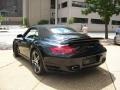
x=75 y=68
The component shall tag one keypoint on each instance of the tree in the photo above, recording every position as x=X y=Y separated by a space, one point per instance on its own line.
x=105 y=8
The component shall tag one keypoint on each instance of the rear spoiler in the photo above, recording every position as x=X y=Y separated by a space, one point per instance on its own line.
x=97 y=38
x=75 y=40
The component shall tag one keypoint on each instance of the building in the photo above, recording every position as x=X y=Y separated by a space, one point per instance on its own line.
x=72 y=9
x=13 y=7
x=12 y=11
x=2 y=3
x=36 y=10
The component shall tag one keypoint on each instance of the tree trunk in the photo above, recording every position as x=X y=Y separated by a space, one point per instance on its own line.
x=106 y=30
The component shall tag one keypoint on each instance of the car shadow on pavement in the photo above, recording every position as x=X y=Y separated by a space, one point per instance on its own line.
x=88 y=79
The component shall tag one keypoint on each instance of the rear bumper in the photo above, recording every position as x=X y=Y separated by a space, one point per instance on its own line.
x=73 y=64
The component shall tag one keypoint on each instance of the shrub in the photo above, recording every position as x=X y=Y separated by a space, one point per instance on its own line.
x=41 y=22
x=25 y=21
x=70 y=21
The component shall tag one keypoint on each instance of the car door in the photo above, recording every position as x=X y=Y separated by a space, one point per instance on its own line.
x=28 y=39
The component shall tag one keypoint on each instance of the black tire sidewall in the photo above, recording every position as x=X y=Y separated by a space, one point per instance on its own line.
x=42 y=70
x=15 y=50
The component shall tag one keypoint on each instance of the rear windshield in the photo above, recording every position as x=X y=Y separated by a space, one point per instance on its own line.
x=67 y=36
x=62 y=30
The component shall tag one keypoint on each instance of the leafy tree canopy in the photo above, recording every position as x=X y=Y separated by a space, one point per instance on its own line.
x=105 y=8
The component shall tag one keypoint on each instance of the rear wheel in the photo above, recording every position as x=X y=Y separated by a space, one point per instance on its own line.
x=37 y=62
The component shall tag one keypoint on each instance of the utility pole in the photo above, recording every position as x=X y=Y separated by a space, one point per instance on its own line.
x=56 y=12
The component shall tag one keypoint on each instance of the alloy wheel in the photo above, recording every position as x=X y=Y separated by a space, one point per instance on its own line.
x=36 y=62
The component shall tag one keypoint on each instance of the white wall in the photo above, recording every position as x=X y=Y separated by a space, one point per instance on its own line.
x=38 y=10
x=63 y=12
x=45 y=9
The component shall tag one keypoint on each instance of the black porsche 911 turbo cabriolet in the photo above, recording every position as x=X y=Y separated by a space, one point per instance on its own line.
x=58 y=48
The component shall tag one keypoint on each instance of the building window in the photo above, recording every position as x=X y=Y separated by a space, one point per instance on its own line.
x=53 y=14
x=52 y=21
x=63 y=20
x=80 y=20
x=64 y=5
x=79 y=4
x=52 y=4
x=114 y=22
x=97 y=21
x=58 y=20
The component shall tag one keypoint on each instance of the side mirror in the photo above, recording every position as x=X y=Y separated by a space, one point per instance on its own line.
x=19 y=36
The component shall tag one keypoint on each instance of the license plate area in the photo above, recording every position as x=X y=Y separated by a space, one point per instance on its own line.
x=90 y=60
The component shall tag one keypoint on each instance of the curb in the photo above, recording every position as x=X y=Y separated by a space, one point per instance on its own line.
x=107 y=41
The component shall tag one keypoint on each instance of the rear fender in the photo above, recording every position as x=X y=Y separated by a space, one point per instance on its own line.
x=38 y=48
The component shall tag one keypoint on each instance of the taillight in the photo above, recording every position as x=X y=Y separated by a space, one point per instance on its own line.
x=61 y=50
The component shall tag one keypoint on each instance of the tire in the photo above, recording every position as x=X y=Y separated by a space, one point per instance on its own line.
x=37 y=62
x=16 y=51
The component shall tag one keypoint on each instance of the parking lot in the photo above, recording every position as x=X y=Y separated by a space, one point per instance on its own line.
x=17 y=74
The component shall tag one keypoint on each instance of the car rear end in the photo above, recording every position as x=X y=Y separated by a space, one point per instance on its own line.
x=89 y=53
x=75 y=54
x=67 y=50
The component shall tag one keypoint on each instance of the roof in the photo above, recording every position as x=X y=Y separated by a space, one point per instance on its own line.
x=45 y=29
x=47 y=26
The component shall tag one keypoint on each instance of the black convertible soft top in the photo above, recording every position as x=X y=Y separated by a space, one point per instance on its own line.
x=48 y=26
x=45 y=30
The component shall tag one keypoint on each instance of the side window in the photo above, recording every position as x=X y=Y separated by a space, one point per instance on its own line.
x=32 y=34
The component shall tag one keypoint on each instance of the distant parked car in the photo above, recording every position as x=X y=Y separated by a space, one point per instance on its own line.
x=58 y=48
x=117 y=37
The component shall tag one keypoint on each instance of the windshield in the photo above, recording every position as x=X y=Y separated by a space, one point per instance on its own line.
x=62 y=30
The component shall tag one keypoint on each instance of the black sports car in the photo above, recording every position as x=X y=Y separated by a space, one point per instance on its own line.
x=58 y=48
